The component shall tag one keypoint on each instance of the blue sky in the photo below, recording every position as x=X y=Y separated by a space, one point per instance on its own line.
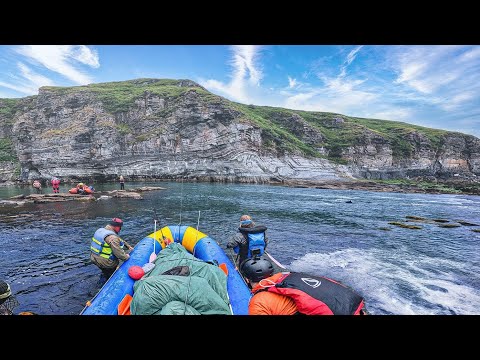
x=435 y=86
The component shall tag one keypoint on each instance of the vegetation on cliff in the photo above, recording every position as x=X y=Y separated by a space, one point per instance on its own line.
x=8 y=107
x=338 y=132
x=284 y=131
x=7 y=150
x=120 y=96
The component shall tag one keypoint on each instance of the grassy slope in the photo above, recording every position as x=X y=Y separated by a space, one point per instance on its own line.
x=338 y=137
x=120 y=96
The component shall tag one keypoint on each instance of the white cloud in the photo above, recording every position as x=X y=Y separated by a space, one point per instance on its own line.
x=456 y=101
x=300 y=101
x=63 y=59
x=470 y=55
x=435 y=70
x=291 y=82
x=29 y=90
x=25 y=81
x=246 y=74
x=35 y=79
x=350 y=57
x=342 y=86
x=85 y=55
x=339 y=94
x=391 y=113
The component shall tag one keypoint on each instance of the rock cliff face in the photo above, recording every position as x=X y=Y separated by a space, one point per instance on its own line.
x=167 y=129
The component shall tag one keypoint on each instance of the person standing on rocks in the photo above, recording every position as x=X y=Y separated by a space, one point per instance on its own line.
x=38 y=186
x=56 y=185
x=122 y=182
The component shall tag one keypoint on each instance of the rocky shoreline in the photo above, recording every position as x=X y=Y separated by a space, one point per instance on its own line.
x=20 y=200
x=470 y=187
x=447 y=187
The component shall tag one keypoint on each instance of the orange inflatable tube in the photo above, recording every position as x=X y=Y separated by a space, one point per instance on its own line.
x=86 y=191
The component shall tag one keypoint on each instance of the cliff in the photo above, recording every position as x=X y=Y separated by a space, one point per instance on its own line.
x=167 y=129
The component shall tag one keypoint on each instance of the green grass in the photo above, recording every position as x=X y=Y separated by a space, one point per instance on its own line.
x=8 y=107
x=278 y=125
x=123 y=129
x=425 y=185
x=274 y=134
x=120 y=96
x=349 y=133
x=397 y=131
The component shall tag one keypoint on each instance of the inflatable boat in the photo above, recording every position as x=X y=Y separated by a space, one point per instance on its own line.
x=82 y=189
x=119 y=288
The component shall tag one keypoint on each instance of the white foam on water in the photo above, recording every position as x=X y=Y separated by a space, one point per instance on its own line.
x=387 y=197
x=459 y=298
x=396 y=282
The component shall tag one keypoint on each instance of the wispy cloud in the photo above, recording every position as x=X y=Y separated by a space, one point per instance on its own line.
x=246 y=74
x=337 y=94
x=25 y=80
x=435 y=70
x=350 y=57
x=27 y=90
x=35 y=79
x=391 y=112
x=35 y=66
x=291 y=82
x=63 y=59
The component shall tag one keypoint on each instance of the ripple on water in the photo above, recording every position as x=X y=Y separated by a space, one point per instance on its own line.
x=45 y=247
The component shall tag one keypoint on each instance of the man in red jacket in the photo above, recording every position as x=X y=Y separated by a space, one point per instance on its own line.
x=56 y=185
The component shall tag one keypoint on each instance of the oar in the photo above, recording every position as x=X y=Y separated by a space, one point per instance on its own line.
x=130 y=247
x=274 y=260
x=236 y=267
x=153 y=255
x=234 y=259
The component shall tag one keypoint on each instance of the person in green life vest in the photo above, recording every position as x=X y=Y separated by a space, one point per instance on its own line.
x=107 y=249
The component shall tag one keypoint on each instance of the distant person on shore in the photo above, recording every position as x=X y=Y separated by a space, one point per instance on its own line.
x=250 y=241
x=38 y=186
x=80 y=188
x=107 y=248
x=122 y=182
x=292 y=293
x=56 y=185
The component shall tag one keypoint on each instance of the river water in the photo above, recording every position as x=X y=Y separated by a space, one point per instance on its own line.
x=44 y=252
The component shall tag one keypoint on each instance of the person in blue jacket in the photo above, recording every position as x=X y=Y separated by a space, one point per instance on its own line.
x=250 y=241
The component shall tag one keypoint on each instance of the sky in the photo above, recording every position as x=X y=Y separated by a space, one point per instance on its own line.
x=436 y=86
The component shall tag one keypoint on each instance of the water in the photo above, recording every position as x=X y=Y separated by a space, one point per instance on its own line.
x=45 y=247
